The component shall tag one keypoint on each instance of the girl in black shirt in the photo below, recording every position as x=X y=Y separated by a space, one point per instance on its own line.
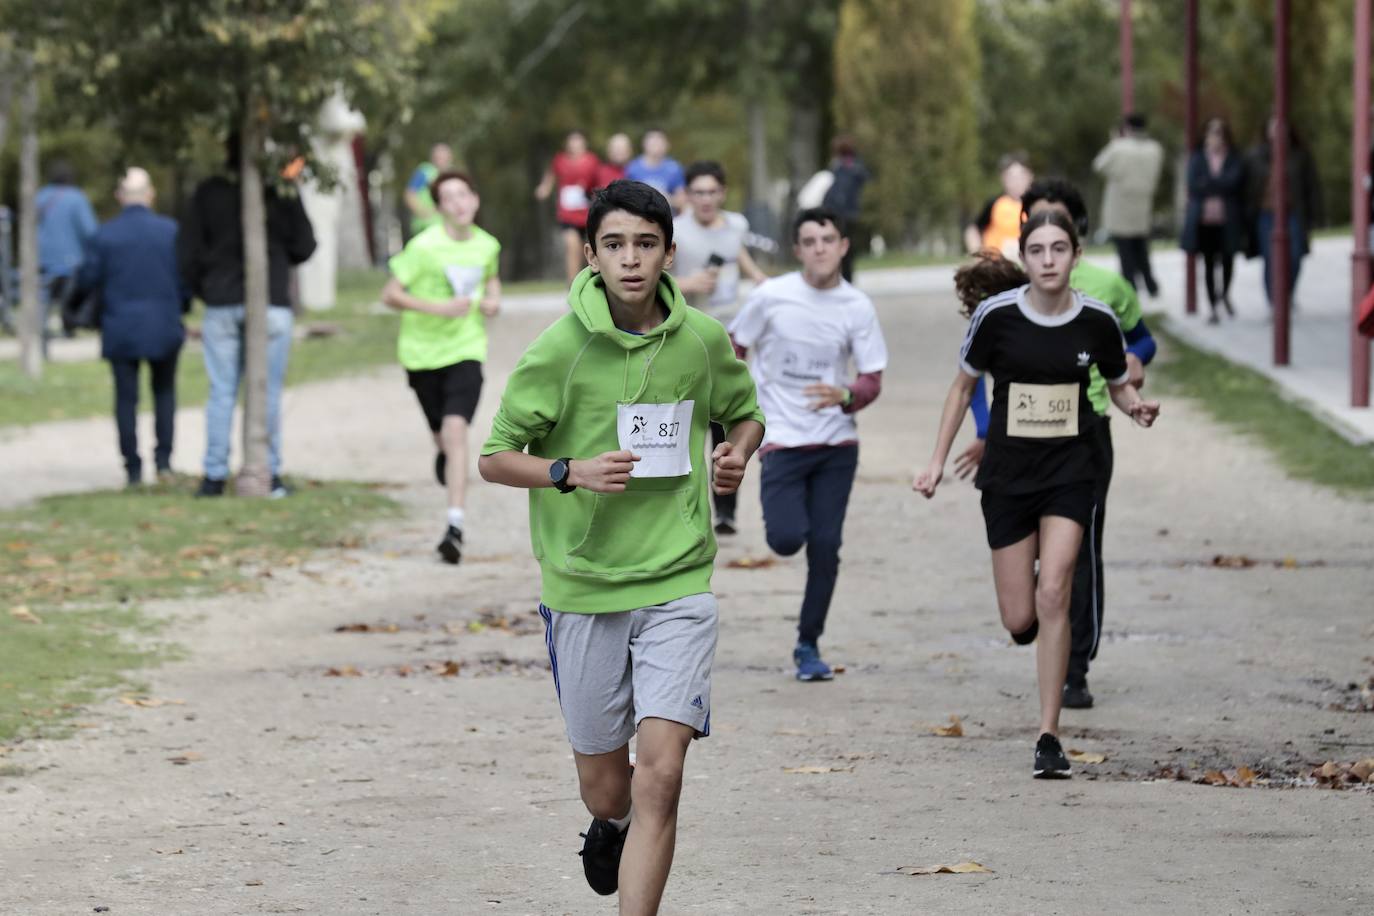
x=1038 y=341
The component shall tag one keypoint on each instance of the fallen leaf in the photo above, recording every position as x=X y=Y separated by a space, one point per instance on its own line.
x=449 y=669
x=170 y=852
x=816 y=771
x=21 y=613
x=1232 y=561
x=1087 y=757
x=1364 y=769
x=182 y=759
x=963 y=868
x=345 y=671
x=752 y=562
x=149 y=702
x=255 y=882
x=1243 y=775
x=955 y=729
x=837 y=669
x=1213 y=778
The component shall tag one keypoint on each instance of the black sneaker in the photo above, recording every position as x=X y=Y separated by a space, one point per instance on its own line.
x=726 y=525
x=1076 y=696
x=451 y=547
x=210 y=487
x=279 y=488
x=1027 y=636
x=601 y=856
x=441 y=469
x=1050 y=762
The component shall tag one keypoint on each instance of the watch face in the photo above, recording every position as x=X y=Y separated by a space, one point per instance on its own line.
x=558 y=471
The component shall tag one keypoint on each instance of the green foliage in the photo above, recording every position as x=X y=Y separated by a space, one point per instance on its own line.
x=909 y=96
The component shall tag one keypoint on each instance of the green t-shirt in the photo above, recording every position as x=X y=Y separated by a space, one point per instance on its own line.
x=1110 y=287
x=436 y=267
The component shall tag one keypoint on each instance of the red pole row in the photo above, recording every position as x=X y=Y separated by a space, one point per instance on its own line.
x=1127 y=60
x=1190 y=139
x=1359 y=206
x=1278 y=185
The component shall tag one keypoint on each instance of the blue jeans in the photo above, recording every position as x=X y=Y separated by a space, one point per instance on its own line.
x=222 y=342
x=1297 y=243
x=805 y=493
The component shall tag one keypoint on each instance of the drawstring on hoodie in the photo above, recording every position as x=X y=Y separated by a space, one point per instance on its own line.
x=648 y=366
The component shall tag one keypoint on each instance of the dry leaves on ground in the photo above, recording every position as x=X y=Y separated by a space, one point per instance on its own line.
x=1078 y=756
x=367 y=628
x=962 y=868
x=148 y=702
x=182 y=759
x=816 y=771
x=955 y=729
x=1337 y=775
x=1242 y=777
x=752 y=562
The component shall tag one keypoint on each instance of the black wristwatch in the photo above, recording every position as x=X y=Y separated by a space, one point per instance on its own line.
x=558 y=473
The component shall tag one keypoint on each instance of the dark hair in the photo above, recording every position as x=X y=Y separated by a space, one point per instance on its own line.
x=843 y=145
x=1048 y=218
x=1008 y=160
x=704 y=167
x=820 y=215
x=449 y=175
x=61 y=172
x=1057 y=191
x=1225 y=132
x=1134 y=120
x=635 y=198
x=988 y=274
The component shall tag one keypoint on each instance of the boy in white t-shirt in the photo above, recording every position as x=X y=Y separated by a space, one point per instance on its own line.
x=805 y=329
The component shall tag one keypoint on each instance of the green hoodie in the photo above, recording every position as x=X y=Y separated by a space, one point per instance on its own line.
x=604 y=552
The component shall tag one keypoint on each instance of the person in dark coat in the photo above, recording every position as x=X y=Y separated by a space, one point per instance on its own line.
x=1304 y=203
x=1215 y=222
x=132 y=262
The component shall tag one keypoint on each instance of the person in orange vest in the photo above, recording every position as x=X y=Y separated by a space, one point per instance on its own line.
x=998 y=224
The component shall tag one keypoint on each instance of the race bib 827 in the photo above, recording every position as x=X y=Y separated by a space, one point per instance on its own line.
x=660 y=434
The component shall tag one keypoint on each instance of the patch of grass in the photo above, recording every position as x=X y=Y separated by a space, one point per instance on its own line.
x=1251 y=403
x=364 y=335
x=80 y=564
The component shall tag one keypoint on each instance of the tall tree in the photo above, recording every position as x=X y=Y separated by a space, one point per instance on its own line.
x=907 y=90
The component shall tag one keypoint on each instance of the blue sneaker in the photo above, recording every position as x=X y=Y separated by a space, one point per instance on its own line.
x=809 y=664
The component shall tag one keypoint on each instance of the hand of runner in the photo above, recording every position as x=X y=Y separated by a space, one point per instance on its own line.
x=701 y=283
x=1135 y=371
x=825 y=395
x=927 y=480
x=606 y=473
x=968 y=460
x=1144 y=413
x=728 y=468
x=456 y=307
x=491 y=304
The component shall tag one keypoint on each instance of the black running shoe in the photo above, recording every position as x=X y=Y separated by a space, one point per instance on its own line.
x=441 y=469
x=601 y=856
x=1050 y=762
x=279 y=488
x=1076 y=696
x=210 y=487
x=1027 y=636
x=726 y=525
x=451 y=547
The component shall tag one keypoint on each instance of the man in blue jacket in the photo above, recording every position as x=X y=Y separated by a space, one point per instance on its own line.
x=132 y=261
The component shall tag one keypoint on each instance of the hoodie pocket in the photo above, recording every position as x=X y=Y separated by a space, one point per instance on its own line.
x=640 y=534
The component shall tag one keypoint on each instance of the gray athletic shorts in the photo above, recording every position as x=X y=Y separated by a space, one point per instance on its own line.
x=614 y=670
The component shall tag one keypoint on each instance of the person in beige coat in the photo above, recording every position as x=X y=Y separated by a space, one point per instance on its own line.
x=1131 y=164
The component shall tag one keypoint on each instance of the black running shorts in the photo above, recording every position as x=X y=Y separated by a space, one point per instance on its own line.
x=449 y=391
x=1011 y=517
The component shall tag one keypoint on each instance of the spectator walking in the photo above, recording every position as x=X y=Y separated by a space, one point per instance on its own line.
x=1304 y=203
x=1214 y=225
x=210 y=249
x=998 y=225
x=131 y=262
x=844 y=197
x=659 y=170
x=1131 y=163
x=66 y=223
x=419 y=203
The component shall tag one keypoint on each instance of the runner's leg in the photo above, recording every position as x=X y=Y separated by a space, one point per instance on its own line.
x=453 y=441
x=660 y=752
x=1013 y=575
x=604 y=781
x=827 y=497
x=1059 y=542
x=573 y=261
x=1086 y=601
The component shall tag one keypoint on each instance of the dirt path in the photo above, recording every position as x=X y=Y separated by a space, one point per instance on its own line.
x=383 y=794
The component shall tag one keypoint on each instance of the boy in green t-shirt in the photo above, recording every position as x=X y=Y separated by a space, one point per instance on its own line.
x=445 y=284
x=605 y=421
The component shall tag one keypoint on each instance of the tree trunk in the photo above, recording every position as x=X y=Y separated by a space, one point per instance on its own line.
x=31 y=307
x=255 y=477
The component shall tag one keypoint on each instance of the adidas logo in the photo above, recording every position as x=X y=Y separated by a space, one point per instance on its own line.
x=696 y=702
x=1084 y=358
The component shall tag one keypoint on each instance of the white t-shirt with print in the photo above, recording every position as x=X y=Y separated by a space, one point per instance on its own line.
x=799 y=335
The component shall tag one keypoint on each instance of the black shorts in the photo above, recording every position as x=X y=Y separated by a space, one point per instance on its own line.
x=449 y=391
x=1011 y=517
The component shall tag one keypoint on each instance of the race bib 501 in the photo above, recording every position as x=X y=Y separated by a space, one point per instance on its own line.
x=1042 y=411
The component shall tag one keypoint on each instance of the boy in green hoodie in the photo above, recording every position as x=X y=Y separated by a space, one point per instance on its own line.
x=605 y=421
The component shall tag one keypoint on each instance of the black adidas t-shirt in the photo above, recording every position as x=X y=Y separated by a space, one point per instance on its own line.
x=1041 y=431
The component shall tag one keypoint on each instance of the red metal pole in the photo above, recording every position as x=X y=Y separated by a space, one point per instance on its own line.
x=1359 y=206
x=1127 y=60
x=1190 y=141
x=1278 y=182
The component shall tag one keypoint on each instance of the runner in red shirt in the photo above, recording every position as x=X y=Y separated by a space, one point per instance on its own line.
x=574 y=172
x=619 y=152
